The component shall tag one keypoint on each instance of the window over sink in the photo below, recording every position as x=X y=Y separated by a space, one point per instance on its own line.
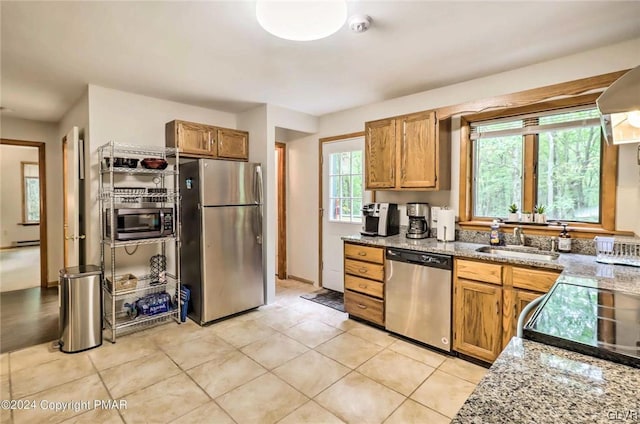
x=551 y=154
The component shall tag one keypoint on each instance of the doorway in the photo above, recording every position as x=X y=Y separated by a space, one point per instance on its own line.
x=24 y=215
x=342 y=195
x=281 y=217
x=28 y=308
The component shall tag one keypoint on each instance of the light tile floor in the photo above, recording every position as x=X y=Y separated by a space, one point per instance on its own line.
x=293 y=361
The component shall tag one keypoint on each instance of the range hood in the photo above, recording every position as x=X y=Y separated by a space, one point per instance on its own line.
x=619 y=107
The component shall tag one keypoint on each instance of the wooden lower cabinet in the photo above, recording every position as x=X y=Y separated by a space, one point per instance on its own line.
x=478 y=319
x=514 y=302
x=365 y=307
x=364 y=282
x=488 y=299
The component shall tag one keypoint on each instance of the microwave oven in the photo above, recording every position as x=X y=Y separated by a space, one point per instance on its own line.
x=139 y=223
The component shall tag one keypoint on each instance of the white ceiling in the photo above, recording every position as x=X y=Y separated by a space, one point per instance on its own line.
x=214 y=54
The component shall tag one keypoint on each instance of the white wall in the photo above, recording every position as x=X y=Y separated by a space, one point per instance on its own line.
x=263 y=123
x=133 y=119
x=78 y=116
x=304 y=161
x=29 y=130
x=11 y=188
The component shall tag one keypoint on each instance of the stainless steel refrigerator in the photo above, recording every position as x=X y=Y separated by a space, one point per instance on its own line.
x=221 y=256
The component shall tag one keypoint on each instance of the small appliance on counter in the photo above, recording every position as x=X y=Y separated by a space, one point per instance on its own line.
x=380 y=219
x=446 y=225
x=418 y=214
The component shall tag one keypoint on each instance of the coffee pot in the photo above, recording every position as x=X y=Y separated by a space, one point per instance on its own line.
x=419 y=217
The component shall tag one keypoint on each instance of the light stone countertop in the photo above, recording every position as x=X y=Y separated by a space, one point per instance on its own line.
x=534 y=383
x=576 y=269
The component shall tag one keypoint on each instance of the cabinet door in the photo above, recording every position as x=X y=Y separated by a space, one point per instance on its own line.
x=514 y=301
x=233 y=144
x=418 y=151
x=380 y=154
x=478 y=319
x=195 y=139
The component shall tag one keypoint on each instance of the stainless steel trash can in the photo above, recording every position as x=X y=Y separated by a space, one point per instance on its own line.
x=80 y=302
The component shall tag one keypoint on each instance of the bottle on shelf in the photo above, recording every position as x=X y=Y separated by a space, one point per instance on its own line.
x=564 y=240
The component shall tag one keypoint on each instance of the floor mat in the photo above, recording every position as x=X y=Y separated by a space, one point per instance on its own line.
x=326 y=297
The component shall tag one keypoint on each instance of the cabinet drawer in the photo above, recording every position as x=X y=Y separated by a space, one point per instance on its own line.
x=364 y=253
x=479 y=271
x=533 y=279
x=364 y=269
x=372 y=288
x=364 y=307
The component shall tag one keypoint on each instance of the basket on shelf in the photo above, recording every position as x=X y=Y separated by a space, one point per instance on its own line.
x=618 y=250
x=123 y=282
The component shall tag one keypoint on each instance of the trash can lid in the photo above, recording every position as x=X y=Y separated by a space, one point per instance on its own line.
x=80 y=271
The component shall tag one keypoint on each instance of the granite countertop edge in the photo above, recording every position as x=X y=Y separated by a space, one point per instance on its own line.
x=575 y=268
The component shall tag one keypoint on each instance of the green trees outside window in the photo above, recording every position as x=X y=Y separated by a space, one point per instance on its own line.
x=346 y=186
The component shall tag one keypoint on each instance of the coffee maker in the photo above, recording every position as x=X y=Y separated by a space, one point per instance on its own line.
x=380 y=219
x=419 y=217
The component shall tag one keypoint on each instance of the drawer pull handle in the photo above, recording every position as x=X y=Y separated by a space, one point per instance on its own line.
x=362 y=253
x=361 y=306
x=363 y=286
x=363 y=270
x=497 y=308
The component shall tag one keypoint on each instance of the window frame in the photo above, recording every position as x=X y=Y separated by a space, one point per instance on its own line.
x=352 y=218
x=23 y=181
x=609 y=167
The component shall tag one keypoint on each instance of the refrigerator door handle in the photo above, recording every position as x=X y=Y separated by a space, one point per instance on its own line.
x=259 y=194
x=259 y=202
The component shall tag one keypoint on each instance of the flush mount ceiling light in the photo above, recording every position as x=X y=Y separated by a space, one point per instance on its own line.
x=301 y=20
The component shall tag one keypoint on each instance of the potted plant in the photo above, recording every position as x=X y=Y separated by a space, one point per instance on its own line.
x=513 y=213
x=540 y=216
x=526 y=216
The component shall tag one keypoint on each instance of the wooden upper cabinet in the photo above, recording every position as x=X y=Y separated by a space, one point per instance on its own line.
x=206 y=141
x=411 y=152
x=418 y=151
x=233 y=144
x=191 y=138
x=380 y=154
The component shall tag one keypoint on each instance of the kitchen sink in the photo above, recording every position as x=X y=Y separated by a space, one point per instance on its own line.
x=519 y=254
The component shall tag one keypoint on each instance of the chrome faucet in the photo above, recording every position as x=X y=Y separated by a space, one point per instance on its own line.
x=519 y=235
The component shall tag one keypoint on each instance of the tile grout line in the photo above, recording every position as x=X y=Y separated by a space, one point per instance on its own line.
x=105 y=387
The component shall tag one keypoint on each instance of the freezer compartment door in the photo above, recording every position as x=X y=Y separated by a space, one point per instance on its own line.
x=232 y=278
x=230 y=183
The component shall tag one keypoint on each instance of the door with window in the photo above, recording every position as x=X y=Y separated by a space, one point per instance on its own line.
x=342 y=198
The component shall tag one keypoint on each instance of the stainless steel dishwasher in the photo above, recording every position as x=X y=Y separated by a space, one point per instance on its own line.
x=418 y=289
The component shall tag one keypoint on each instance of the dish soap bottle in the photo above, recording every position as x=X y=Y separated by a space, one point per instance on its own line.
x=495 y=235
x=564 y=240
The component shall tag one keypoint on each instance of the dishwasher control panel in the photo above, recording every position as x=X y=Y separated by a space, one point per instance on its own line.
x=434 y=260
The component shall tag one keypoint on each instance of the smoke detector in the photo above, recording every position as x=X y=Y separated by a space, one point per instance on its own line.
x=359 y=23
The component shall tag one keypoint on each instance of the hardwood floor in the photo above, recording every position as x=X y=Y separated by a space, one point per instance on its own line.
x=28 y=317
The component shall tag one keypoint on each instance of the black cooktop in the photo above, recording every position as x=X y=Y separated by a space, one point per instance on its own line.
x=589 y=320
